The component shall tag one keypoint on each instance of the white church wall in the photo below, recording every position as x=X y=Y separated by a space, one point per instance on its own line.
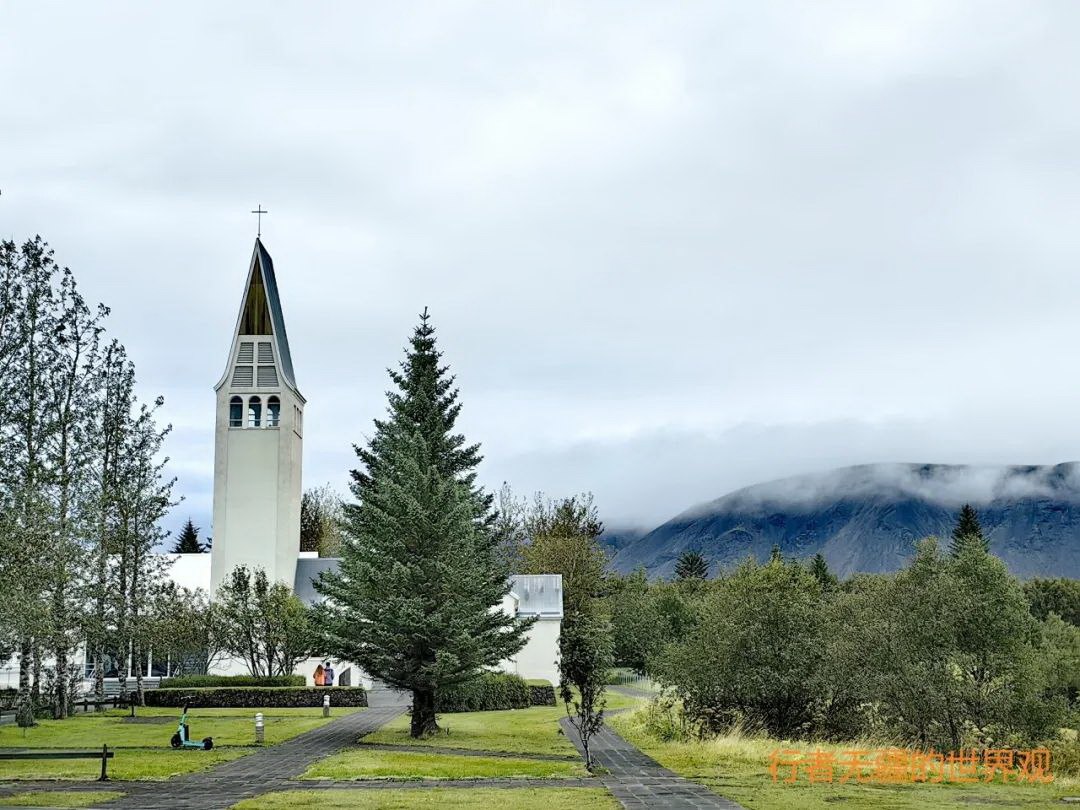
x=537 y=659
x=191 y=571
x=246 y=521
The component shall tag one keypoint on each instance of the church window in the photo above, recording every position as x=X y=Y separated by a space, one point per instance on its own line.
x=273 y=412
x=266 y=352
x=246 y=353
x=267 y=377
x=242 y=377
x=236 y=412
x=254 y=412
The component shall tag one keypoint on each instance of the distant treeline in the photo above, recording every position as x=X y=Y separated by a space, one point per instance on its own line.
x=950 y=652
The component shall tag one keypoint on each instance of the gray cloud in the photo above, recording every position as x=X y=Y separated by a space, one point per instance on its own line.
x=670 y=251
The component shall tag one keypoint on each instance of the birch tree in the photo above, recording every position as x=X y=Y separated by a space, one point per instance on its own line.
x=70 y=457
x=29 y=424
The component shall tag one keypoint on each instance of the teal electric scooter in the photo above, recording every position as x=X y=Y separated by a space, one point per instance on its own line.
x=182 y=738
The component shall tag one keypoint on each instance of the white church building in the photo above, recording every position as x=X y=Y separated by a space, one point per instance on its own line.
x=258 y=459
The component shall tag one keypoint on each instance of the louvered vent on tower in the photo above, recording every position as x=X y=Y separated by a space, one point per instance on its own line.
x=246 y=351
x=241 y=377
x=267 y=377
x=266 y=352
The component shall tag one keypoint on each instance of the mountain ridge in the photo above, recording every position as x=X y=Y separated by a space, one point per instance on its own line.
x=868 y=518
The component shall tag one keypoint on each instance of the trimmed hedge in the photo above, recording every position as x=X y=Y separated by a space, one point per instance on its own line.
x=206 y=681
x=488 y=692
x=493 y=692
x=254 y=697
x=541 y=695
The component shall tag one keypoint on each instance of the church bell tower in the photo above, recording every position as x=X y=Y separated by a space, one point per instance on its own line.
x=258 y=439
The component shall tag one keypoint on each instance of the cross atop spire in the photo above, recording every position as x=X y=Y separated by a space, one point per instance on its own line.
x=260 y=211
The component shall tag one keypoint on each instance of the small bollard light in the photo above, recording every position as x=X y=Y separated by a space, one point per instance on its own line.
x=259 y=728
x=326 y=706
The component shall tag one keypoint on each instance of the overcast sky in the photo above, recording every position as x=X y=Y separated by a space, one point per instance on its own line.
x=670 y=248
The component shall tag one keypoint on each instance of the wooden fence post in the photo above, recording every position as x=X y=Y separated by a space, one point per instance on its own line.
x=104 y=763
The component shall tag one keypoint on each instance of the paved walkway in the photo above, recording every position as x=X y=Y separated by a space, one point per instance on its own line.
x=266 y=770
x=634 y=779
x=638 y=781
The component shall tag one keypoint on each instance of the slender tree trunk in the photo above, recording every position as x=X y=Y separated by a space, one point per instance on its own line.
x=138 y=659
x=60 y=652
x=135 y=599
x=26 y=654
x=35 y=688
x=123 y=636
x=99 y=676
x=423 y=713
x=101 y=611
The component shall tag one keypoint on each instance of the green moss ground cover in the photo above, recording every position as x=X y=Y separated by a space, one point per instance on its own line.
x=737 y=767
x=361 y=763
x=444 y=799
x=55 y=798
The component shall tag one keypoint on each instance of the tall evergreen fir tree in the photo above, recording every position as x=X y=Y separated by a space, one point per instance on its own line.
x=411 y=602
x=188 y=541
x=426 y=401
x=691 y=565
x=820 y=569
x=968 y=532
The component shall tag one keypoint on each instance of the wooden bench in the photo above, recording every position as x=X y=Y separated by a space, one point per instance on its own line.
x=104 y=755
x=86 y=703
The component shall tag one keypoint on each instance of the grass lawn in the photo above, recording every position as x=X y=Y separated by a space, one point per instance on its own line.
x=616 y=700
x=517 y=731
x=738 y=767
x=129 y=764
x=142 y=747
x=360 y=763
x=442 y=798
x=56 y=798
x=152 y=728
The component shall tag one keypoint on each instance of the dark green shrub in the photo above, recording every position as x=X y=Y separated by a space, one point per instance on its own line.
x=1065 y=757
x=541 y=695
x=207 y=681
x=485 y=693
x=253 y=697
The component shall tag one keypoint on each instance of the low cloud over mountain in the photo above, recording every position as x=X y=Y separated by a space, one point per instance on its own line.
x=868 y=518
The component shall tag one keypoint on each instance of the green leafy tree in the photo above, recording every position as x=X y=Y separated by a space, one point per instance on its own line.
x=1060 y=649
x=188 y=541
x=755 y=652
x=967 y=531
x=414 y=601
x=1060 y=596
x=948 y=646
x=263 y=624
x=585 y=659
x=321 y=521
x=563 y=540
x=510 y=529
x=181 y=628
x=691 y=565
x=638 y=627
